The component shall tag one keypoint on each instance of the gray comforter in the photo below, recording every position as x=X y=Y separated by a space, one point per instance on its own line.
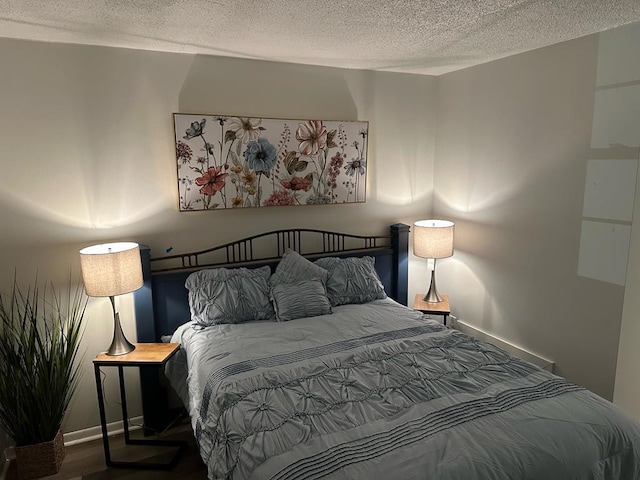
x=376 y=391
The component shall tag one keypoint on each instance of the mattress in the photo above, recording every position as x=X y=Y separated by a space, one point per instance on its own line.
x=380 y=391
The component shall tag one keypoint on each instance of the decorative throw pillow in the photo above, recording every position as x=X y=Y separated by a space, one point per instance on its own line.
x=352 y=280
x=300 y=300
x=298 y=288
x=223 y=295
x=294 y=268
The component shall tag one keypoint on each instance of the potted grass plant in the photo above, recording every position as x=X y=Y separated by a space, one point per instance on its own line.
x=40 y=334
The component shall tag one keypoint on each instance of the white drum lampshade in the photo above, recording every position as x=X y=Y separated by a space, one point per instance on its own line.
x=108 y=270
x=433 y=239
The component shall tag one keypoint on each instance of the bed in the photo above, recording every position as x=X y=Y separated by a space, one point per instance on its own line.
x=356 y=385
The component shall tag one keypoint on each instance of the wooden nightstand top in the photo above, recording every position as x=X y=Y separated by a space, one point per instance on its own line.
x=144 y=354
x=441 y=308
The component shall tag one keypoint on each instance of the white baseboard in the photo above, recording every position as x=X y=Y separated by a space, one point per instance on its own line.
x=514 y=350
x=94 y=433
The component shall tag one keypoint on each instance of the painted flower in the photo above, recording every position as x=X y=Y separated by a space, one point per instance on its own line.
x=297 y=183
x=356 y=164
x=245 y=129
x=312 y=136
x=249 y=178
x=318 y=199
x=237 y=168
x=236 y=202
x=212 y=181
x=195 y=130
x=279 y=198
x=334 y=169
x=260 y=155
x=184 y=152
x=208 y=148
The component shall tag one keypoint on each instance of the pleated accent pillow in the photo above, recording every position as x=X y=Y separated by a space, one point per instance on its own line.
x=352 y=280
x=222 y=295
x=294 y=268
x=298 y=288
x=300 y=300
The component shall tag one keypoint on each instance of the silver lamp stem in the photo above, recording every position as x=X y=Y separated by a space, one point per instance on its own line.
x=432 y=295
x=119 y=345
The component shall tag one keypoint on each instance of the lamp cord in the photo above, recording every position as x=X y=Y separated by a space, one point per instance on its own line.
x=103 y=376
x=178 y=418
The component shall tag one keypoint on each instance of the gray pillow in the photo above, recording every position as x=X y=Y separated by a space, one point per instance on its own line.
x=300 y=300
x=294 y=268
x=223 y=295
x=352 y=280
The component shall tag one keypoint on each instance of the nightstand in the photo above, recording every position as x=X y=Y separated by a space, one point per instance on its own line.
x=145 y=355
x=440 y=308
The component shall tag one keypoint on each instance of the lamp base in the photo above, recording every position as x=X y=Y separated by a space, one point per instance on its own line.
x=119 y=345
x=432 y=296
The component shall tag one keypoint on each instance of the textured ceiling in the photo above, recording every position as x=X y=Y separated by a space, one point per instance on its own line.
x=418 y=36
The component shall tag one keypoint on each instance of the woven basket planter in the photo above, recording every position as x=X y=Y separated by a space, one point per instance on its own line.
x=40 y=459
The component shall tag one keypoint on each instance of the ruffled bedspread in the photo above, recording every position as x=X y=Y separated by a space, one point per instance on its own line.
x=378 y=391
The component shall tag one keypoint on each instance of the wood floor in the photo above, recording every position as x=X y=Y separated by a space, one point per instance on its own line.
x=86 y=461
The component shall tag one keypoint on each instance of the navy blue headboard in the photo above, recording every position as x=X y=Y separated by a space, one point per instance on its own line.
x=161 y=305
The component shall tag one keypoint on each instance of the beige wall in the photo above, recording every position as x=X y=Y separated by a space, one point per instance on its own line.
x=619 y=58
x=513 y=145
x=627 y=380
x=88 y=156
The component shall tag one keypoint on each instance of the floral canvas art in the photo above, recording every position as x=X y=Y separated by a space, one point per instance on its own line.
x=240 y=162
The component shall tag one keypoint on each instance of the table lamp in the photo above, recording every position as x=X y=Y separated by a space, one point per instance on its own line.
x=433 y=239
x=108 y=270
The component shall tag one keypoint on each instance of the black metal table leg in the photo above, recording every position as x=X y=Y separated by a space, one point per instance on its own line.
x=181 y=444
x=103 y=416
